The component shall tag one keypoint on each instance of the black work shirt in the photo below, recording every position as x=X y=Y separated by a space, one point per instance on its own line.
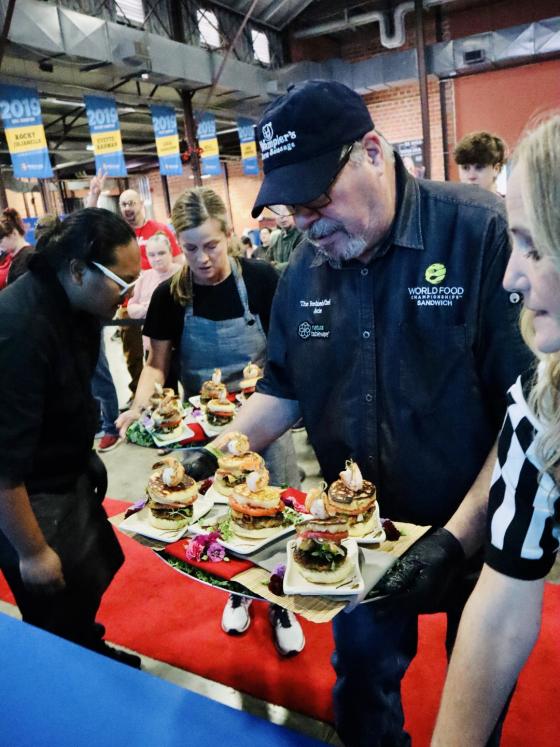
x=165 y=317
x=403 y=363
x=48 y=416
x=19 y=264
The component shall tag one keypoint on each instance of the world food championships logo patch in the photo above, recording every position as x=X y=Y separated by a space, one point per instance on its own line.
x=436 y=294
x=307 y=330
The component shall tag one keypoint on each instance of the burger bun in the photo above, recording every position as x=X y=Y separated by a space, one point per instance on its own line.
x=326 y=577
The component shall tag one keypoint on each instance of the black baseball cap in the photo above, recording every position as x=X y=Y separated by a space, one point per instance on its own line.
x=301 y=136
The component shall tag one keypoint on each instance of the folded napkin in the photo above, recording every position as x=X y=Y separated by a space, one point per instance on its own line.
x=295 y=498
x=221 y=569
x=198 y=434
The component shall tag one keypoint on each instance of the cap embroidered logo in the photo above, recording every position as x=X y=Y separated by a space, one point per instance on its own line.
x=267 y=131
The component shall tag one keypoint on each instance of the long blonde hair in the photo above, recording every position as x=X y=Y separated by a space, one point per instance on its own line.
x=192 y=208
x=539 y=156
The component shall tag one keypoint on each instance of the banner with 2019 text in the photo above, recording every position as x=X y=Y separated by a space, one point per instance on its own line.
x=246 y=130
x=105 y=131
x=20 y=110
x=167 y=140
x=208 y=142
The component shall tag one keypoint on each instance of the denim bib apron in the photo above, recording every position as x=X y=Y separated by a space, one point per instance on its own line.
x=229 y=345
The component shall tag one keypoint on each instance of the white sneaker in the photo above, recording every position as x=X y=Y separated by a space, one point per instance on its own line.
x=236 y=618
x=288 y=635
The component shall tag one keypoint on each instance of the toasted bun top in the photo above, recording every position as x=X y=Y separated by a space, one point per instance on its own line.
x=249 y=462
x=341 y=500
x=210 y=389
x=183 y=494
x=268 y=497
x=217 y=405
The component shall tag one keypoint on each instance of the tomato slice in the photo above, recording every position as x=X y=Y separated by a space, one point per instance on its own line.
x=324 y=536
x=253 y=510
x=221 y=414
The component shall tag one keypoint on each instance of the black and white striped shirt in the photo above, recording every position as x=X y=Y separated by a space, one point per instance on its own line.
x=522 y=534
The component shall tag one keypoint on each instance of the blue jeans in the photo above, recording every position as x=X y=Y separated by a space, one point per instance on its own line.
x=373 y=649
x=103 y=389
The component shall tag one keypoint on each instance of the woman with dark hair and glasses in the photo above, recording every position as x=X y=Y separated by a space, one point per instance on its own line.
x=58 y=552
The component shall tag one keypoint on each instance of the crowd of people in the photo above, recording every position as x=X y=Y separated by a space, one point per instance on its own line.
x=415 y=365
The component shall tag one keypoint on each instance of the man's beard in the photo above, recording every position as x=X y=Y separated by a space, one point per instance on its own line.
x=354 y=247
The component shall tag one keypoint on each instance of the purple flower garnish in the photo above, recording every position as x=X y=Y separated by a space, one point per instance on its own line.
x=215 y=552
x=194 y=550
x=146 y=421
x=280 y=570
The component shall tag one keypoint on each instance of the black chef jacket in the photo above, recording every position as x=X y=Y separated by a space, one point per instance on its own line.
x=403 y=364
x=48 y=416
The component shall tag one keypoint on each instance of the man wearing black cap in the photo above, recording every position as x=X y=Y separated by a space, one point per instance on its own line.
x=393 y=339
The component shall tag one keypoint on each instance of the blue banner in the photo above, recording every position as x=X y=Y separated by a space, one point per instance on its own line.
x=167 y=140
x=208 y=143
x=105 y=131
x=246 y=131
x=20 y=110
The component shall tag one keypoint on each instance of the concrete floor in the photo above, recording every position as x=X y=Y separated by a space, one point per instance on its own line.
x=128 y=468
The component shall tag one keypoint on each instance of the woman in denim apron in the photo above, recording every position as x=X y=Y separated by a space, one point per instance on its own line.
x=204 y=314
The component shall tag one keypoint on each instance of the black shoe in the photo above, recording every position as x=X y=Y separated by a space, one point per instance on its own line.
x=130 y=660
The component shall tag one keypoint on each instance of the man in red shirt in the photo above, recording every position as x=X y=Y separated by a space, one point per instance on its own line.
x=132 y=210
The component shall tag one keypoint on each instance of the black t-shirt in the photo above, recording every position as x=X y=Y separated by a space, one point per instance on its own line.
x=164 y=320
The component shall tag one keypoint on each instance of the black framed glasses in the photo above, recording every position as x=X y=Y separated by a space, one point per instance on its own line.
x=324 y=199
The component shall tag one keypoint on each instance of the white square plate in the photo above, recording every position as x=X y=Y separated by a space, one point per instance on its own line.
x=243 y=545
x=295 y=583
x=139 y=522
x=373 y=538
x=173 y=438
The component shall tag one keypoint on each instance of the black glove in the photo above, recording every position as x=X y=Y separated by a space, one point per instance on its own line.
x=198 y=462
x=421 y=578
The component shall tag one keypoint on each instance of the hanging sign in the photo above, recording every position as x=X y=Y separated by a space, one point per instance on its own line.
x=167 y=140
x=20 y=110
x=246 y=132
x=105 y=131
x=208 y=142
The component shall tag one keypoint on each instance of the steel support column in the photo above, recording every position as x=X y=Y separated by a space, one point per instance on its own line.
x=423 y=81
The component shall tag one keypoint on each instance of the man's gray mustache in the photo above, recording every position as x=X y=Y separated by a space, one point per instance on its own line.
x=324 y=227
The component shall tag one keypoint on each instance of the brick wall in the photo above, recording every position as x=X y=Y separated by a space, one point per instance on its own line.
x=242 y=193
x=397 y=114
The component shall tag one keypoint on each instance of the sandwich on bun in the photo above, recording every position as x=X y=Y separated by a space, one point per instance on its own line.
x=235 y=464
x=319 y=554
x=256 y=507
x=251 y=374
x=171 y=494
x=213 y=388
x=220 y=412
x=168 y=415
x=159 y=394
x=354 y=499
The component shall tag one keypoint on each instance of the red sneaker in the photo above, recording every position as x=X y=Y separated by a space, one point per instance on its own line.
x=108 y=442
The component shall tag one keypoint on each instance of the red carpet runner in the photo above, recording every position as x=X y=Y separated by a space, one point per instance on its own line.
x=156 y=611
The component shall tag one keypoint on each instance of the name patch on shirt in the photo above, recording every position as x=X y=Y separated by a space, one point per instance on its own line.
x=316 y=304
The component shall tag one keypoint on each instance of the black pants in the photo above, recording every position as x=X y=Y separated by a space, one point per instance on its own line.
x=76 y=527
x=69 y=613
x=374 y=649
